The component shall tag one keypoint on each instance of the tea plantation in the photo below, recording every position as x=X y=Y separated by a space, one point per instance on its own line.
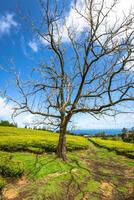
x=17 y=139
x=30 y=170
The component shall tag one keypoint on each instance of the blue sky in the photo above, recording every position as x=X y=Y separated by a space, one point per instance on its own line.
x=18 y=43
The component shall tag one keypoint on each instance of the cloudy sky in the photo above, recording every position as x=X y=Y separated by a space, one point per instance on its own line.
x=18 y=43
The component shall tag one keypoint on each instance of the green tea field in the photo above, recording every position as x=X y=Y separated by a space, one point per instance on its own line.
x=30 y=170
x=120 y=147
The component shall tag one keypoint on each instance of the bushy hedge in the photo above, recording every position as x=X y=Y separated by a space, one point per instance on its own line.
x=15 y=139
x=118 y=146
x=9 y=168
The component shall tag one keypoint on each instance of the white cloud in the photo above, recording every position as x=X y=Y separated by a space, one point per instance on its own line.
x=130 y=66
x=33 y=45
x=24 y=47
x=88 y=122
x=76 y=23
x=24 y=119
x=7 y=22
x=73 y=21
x=43 y=41
x=5 y=109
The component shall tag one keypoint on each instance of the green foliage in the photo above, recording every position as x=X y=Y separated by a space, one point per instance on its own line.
x=2 y=183
x=48 y=177
x=17 y=139
x=35 y=166
x=128 y=137
x=9 y=168
x=118 y=146
x=124 y=130
x=92 y=186
x=35 y=150
x=122 y=189
x=7 y=123
x=115 y=137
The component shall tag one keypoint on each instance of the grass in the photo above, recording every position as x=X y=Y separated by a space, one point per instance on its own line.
x=92 y=186
x=46 y=174
x=21 y=150
x=122 y=189
x=83 y=175
x=34 y=166
x=118 y=146
x=50 y=178
x=17 y=139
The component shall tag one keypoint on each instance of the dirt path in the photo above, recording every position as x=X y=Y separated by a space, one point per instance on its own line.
x=96 y=175
x=116 y=177
x=13 y=190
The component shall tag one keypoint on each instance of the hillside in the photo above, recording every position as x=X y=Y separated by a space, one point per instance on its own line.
x=14 y=139
x=28 y=171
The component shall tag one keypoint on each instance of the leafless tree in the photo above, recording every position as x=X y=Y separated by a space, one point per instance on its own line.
x=92 y=72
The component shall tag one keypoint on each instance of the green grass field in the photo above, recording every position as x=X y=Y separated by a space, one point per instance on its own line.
x=118 y=146
x=29 y=172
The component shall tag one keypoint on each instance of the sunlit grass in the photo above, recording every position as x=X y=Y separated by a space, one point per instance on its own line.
x=119 y=146
x=17 y=139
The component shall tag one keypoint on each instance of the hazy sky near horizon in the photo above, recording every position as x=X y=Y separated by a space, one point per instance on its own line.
x=18 y=42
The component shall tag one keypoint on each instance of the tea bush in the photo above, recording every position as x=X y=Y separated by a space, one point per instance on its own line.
x=9 y=168
x=18 y=139
x=118 y=146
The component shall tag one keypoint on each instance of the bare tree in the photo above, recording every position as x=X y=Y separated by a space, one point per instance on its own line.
x=92 y=72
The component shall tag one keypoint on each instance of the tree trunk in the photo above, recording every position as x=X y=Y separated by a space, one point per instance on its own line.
x=61 y=148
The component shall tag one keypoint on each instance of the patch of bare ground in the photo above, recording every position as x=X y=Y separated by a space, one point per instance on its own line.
x=107 y=190
x=10 y=193
x=86 y=197
x=22 y=182
x=12 y=189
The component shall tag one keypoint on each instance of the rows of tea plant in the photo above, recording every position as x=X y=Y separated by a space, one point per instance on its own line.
x=17 y=144
x=118 y=146
x=19 y=139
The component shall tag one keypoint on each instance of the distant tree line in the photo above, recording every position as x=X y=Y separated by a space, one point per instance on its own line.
x=128 y=135
x=7 y=123
x=46 y=129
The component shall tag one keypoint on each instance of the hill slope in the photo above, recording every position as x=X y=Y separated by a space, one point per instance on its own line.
x=14 y=139
x=27 y=172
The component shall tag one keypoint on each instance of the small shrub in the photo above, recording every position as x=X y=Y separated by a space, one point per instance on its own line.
x=8 y=168
x=12 y=171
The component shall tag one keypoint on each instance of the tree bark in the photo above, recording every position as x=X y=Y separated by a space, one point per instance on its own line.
x=61 y=148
